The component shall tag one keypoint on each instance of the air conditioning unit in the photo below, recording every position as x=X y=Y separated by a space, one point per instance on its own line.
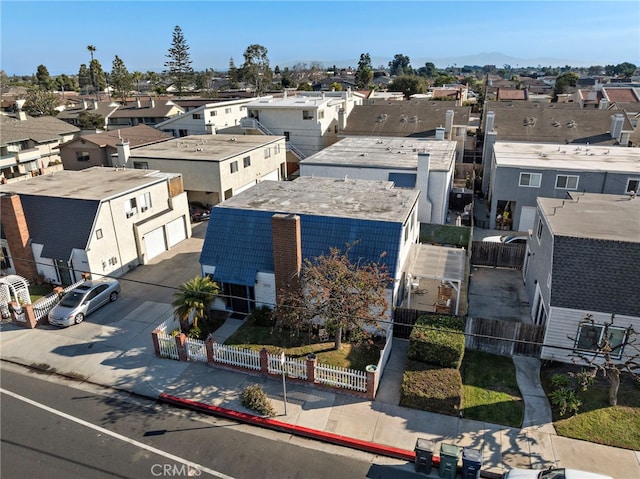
x=144 y=208
x=129 y=214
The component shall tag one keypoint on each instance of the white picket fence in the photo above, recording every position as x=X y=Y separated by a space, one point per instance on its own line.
x=196 y=350
x=294 y=367
x=341 y=377
x=42 y=306
x=168 y=346
x=240 y=357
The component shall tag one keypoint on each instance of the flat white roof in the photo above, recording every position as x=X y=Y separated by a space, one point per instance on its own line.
x=300 y=101
x=616 y=159
x=386 y=152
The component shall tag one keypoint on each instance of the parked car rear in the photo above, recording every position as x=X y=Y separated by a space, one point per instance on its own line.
x=199 y=211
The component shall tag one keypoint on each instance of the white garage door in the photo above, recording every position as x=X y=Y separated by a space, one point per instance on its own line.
x=527 y=215
x=273 y=176
x=154 y=243
x=176 y=232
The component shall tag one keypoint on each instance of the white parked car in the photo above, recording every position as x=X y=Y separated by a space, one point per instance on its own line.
x=506 y=239
x=552 y=473
x=83 y=300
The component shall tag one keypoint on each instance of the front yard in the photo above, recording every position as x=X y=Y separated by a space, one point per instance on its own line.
x=597 y=421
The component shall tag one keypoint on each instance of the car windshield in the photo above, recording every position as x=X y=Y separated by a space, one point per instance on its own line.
x=72 y=299
x=552 y=474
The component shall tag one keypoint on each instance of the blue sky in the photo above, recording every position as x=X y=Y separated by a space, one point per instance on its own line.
x=56 y=34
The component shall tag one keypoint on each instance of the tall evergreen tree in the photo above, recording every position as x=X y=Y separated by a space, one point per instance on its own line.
x=121 y=79
x=256 y=70
x=43 y=79
x=98 y=76
x=178 y=65
x=84 y=79
x=364 y=73
x=233 y=74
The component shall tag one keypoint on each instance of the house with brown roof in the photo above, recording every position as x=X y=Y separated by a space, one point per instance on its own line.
x=143 y=112
x=28 y=146
x=511 y=94
x=97 y=149
x=76 y=109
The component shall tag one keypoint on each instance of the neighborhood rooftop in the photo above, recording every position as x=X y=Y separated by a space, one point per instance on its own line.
x=95 y=183
x=567 y=157
x=346 y=198
x=393 y=152
x=204 y=147
x=592 y=215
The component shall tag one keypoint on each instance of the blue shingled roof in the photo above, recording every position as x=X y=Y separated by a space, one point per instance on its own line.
x=238 y=242
x=59 y=224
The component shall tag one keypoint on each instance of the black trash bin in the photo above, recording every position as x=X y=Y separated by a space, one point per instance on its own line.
x=424 y=455
x=471 y=463
x=449 y=455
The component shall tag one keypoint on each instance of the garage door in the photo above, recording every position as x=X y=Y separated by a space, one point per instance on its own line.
x=176 y=232
x=154 y=243
x=527 y=215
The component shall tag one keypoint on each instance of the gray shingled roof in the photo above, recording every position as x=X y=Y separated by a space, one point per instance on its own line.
x=60 y=224
x=414 y=118
x=138 y=135
x=41 y=129
x=550 y=123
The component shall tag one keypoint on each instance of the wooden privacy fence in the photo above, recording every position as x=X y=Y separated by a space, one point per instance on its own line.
x=498 y=255
x=403 y=321
x=505 y=338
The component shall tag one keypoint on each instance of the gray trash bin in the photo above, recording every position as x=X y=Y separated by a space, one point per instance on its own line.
x=471 y=463
x=449 y=455
x=424 y=454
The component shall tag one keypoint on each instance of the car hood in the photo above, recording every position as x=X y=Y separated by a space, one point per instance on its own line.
x=62 y=311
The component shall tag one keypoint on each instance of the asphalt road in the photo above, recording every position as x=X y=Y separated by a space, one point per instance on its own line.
x=55 y=428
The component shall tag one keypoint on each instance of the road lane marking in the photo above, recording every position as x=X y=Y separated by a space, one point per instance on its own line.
x=196 y=466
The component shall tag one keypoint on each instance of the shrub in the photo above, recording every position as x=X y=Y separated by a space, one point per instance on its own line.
x=262 y=316
x=565 y=400
x=560 y=381
x=432 y=389
x=439 y=341
x=254 y=398
x=585 y=378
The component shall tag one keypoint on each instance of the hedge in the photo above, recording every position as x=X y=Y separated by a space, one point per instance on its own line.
x=429 y=388
x=436 y=340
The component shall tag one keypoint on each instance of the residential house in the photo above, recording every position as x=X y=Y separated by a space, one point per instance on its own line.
x=555 y=123
x=97 y=149
x=213 y=167
x=76 y=109
x=582 y=260
x=416 y=163
x=103 y=221
x=522 y=172
x=310 y=121
x=146 y=112
x=257 y=240
x=29 y=146
x=210 y=118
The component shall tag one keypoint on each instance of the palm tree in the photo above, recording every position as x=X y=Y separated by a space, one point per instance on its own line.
x=194 y=298
x=92 y=49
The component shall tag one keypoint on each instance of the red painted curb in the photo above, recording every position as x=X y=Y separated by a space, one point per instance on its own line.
x=293 y=429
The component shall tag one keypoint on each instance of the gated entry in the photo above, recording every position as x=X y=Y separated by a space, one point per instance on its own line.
x=484 y=253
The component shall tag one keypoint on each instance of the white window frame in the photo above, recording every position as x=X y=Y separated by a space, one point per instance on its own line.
x=600 y=331
x=628 y=188
x=267 y=152
x=307 y=114
x=130 y=207
x=539 y=228
x=531 y=177
x=145 y=201
x=567 y=179
x=213 y=113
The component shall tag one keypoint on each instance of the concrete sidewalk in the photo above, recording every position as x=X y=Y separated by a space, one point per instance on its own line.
x=121 y=356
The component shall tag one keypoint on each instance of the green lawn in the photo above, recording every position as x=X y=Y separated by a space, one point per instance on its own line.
x=597 y=421
x=490 y=389
x=352 y=356
x=37 y=291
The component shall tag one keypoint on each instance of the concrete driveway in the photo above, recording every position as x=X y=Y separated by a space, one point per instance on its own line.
x=498 y=293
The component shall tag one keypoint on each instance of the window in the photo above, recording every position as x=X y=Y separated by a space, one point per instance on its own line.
x=145 y=201
x=82 y=156
x=566 y=182
x=539 y=229
x=99 y=234
x=4 y=259
x=196 y=116
x=227 y=111
x=267 y=152
x=131 y=207
x=182 y=133
x=530 y=179
x=633 y=184
x=320 y=114
x=307 y=115
x=234 y=166
x=276 y=148
x=286 y=135
x=591 y=337
x=246 y=161
x=140 y=165
x=213 y=113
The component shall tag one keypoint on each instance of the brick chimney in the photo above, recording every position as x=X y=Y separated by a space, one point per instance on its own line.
x=16 y=231
x=287 y=252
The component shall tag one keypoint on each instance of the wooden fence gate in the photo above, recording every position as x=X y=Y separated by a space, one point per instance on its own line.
x=505 y=338
x=484 y=253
